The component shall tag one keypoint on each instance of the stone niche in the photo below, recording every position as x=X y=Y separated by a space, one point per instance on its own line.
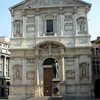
x=84 y=72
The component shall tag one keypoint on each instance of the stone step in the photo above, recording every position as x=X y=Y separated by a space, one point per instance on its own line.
x=60 y=98
x=40 y=98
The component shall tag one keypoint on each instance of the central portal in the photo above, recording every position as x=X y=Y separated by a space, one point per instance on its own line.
x=48 y=76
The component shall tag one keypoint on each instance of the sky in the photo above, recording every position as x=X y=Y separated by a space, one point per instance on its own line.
x=5 y=17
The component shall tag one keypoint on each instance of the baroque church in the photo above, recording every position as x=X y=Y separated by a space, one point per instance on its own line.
x=44 y=31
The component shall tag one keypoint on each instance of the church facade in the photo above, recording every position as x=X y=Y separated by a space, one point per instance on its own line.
x=44 y=31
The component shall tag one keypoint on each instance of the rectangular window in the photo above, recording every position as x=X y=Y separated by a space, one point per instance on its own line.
x=49 y=24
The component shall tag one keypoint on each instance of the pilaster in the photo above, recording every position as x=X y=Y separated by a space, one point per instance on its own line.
x=77 y=60
x=75 y=21
x=24 y=71
x=38 y=22
x=61 y=13
x=24 y=22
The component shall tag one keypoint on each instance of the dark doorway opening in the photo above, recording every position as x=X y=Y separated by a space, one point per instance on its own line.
x=2 y=92
x=97 y=88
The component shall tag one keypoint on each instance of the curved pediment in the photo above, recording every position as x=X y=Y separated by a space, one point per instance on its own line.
x=49 y=43
x=48 y=3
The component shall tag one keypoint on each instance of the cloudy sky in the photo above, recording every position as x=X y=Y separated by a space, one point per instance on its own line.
x=5 y=17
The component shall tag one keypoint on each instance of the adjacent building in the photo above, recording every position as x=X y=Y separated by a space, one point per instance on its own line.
x=4 y=67
x=96 y=66
x=44 y=31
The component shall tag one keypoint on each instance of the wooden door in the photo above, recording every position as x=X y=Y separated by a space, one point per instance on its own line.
x=48 y=76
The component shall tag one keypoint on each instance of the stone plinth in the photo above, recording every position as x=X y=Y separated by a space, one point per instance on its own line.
x=56 y=87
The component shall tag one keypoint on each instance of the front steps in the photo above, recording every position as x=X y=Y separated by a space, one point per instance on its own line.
x=60 y=98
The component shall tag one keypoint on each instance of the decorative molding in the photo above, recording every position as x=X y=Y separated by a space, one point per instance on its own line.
x=17 y=71
x=30 y=61
x=30 y=28
x=70 y=59
x=30 y=75
x=84 y=69
x=70 y=74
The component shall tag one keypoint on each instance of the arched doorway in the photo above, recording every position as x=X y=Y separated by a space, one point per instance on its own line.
x=97 y=88
x=48 y=76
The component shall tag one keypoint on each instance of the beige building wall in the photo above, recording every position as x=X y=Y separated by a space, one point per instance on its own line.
x=31 y=45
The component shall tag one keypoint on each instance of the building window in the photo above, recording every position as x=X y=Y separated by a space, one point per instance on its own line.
x=49 y=24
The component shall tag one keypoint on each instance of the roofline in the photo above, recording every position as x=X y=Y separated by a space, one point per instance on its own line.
x=22 y=2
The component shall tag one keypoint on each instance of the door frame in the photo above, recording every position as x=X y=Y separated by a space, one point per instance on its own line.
x=45 y=66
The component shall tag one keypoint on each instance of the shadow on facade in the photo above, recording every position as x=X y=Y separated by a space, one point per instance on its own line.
x=4 y=88
x=97 y=88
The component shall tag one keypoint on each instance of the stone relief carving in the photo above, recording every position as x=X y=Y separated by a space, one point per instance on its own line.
x=17 y=71
x=30 y=19
x=30 y=28
x=70 y=74
x=81 y=24
x=30 y=61
x=30 y=75
x=68 y=23
x=68 y=17
x=84 y=69
x=70 y=59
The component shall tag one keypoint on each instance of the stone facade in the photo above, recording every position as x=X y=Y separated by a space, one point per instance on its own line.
x=44 y=31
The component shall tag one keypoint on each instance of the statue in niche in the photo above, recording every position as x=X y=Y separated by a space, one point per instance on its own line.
x=55 y=69
x=18 y=73
x=82 y=23
x=17 y=27
x=83 y=66
x=81 y=27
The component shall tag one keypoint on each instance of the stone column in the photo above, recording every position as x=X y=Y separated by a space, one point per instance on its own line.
x=63 y=72
x=4 y=66
x=8 y=67
x=37 y=91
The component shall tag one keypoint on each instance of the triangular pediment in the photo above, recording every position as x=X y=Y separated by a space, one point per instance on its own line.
x=48 y=3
